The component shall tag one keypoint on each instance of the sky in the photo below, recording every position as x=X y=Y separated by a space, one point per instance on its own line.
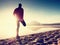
x=42 y=11
x=46 y=11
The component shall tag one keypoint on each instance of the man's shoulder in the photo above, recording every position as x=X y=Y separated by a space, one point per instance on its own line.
x=16 y=8
x=22 y=8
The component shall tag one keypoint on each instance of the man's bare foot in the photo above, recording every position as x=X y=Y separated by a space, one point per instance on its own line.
x=17 y=37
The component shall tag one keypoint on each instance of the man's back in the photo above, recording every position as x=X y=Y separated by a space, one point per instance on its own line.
x=19 y=13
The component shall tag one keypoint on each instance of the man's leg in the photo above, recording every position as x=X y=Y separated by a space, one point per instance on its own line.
x=18 y=25
x=23 y=22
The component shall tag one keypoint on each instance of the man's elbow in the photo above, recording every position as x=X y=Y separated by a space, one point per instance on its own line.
x=13 y=13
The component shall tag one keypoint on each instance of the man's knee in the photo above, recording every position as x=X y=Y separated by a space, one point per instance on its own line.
x=18 y=23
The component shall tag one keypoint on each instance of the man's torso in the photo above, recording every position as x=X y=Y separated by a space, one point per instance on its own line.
x=19 y=13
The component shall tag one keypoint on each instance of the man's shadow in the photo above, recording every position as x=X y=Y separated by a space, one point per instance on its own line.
x=17 y=40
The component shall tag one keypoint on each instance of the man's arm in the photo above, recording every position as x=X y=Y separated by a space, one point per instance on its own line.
x=23 y=12
x=14 y=12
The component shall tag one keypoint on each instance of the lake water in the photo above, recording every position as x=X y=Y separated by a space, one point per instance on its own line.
x=23 y=31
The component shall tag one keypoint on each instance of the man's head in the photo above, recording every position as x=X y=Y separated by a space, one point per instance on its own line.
x=20 y=5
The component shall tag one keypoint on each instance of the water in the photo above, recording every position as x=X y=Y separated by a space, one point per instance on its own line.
x=23 y=31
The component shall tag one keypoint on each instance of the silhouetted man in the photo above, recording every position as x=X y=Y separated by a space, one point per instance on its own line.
x=19 y=13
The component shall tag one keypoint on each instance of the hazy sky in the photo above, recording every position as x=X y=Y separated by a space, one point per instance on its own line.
x=42 y=11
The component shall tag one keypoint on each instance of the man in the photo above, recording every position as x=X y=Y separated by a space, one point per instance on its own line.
x=19 y=13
